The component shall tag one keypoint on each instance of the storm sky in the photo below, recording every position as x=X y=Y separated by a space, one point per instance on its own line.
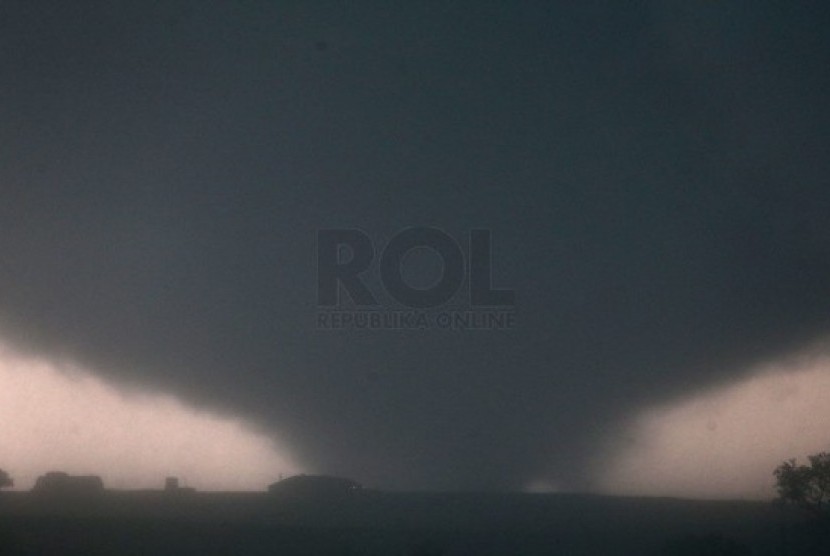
x=654 y=176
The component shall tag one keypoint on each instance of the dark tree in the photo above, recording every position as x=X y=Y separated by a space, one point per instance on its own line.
x=806 y=486
x=5 y=480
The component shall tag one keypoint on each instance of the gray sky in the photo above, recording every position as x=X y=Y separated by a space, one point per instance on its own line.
x=654 y=176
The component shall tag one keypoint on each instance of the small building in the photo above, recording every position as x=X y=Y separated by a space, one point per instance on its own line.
x=171 y=486
x=63 y=484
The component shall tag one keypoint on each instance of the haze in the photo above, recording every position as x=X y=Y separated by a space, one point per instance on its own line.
x=56 y=416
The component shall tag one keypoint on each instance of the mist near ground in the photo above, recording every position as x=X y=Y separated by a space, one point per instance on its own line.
x=724 y=443
x=56 y=416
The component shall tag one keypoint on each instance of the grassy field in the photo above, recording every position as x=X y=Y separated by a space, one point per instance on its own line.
x=377 y=523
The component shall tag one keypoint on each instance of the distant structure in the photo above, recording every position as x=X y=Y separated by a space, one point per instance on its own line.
x=63 y=484
x=315 y=487
x=171 y=486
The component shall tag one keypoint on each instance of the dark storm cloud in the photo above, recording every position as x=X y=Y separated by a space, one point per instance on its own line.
x=654 y=178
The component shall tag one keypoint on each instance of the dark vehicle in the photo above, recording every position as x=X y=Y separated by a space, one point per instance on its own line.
x=315 y=487
x=63 y=484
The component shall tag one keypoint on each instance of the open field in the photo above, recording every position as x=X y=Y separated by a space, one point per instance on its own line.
x=380 y=523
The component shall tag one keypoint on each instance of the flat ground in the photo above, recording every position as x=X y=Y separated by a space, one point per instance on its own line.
x=378 y=523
